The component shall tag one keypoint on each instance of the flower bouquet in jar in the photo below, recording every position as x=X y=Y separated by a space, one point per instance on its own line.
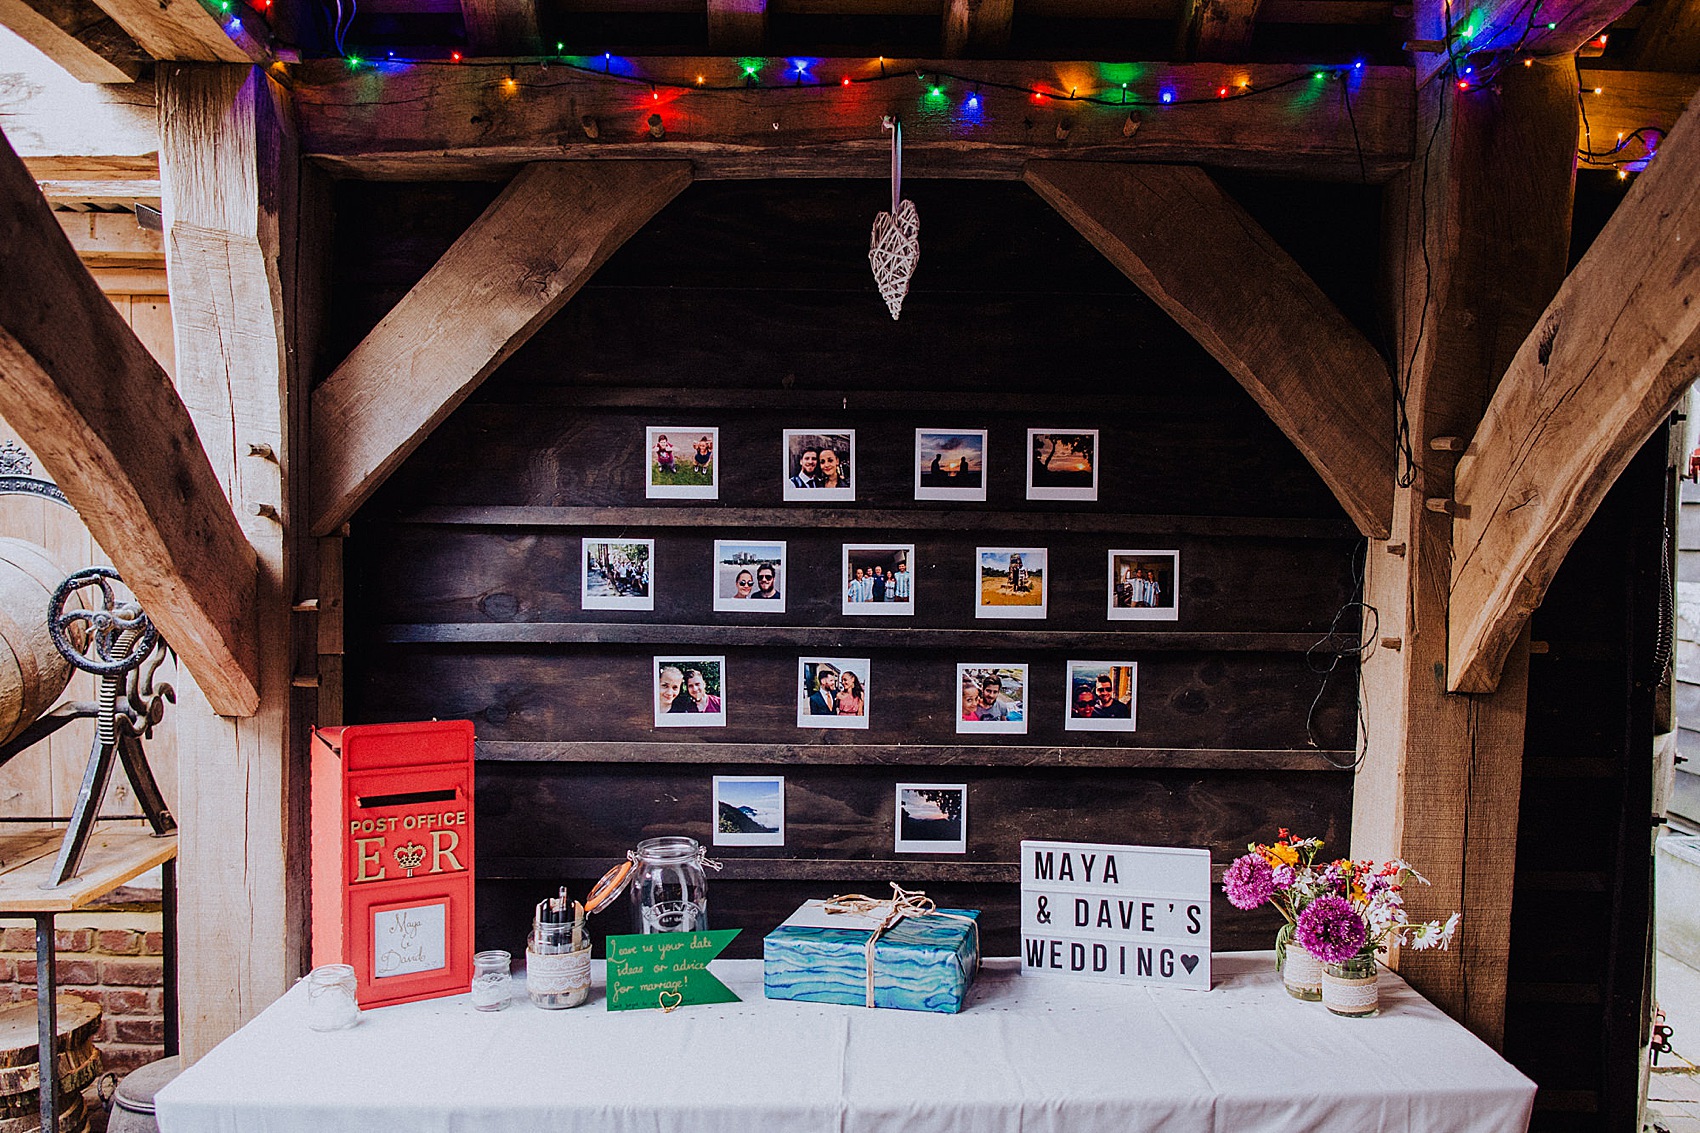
x=1283 y=874
x=1363 y=914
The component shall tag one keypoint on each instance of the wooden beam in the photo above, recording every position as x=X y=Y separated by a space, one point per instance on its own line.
x=70 y=130
x=500 y=27
x=77 y=36
x=1439 y=778
x=1201 y=258
x=977 y=28
x=1669 y=38
x=1605 y=364
x=231 y=175
x=1216 y=29
x=112 y=240
x=1550 y=29
x=87 y=396
x=1628 y=101
x=737 y=27
x=518 y=264
x=462 y=122
x=193 y=30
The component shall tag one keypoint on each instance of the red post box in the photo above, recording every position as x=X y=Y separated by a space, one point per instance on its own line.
x=392 y=857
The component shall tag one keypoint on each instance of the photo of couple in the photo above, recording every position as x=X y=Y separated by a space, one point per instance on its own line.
x=1102 y=696
x=819 y=464
x=994 y=699
x=832 y=692
x=1144 y=585
x=746 y=573
x=950 y=464
x=690 y=692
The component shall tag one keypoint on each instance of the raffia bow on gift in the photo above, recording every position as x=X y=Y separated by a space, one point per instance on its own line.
x=902 y=903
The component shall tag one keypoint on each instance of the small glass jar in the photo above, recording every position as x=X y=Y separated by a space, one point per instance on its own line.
x=1352 y=988
x=492 y=979
x=331 y=998
x=1301 y=973
x=669 y=888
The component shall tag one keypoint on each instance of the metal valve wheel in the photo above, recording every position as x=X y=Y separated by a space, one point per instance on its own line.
x=116 y=627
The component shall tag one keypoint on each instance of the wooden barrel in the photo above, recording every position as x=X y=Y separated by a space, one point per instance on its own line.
x=78 y=1064
x=32 y=673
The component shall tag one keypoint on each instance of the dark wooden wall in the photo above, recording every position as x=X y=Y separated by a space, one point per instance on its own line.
x=749 y=306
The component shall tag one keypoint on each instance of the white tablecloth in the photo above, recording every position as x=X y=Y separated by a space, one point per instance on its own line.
x=1028 y=1054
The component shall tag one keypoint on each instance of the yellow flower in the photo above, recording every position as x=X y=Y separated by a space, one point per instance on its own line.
x=1279 y=854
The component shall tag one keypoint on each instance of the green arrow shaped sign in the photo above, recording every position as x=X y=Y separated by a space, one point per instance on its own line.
x=666 y=969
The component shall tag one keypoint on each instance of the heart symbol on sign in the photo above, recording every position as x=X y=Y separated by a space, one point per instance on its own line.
x=1189 y=963
x=894 y=253
x=676 y=997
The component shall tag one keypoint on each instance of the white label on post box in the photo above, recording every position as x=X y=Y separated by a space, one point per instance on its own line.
x=1138 y=914
x=409 y=940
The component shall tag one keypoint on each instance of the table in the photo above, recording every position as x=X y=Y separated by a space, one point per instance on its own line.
x=1031 y=1054
x=112 y=857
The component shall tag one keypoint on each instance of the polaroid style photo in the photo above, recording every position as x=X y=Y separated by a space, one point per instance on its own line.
x=1103 y=696
x=932 y=818
x=690 y=691
x=1062 y=465
x=749 y=576
x=1012 y=582
x=950 y=464
x=819 y=464
x=832 y=692
x=991 y=698
x=749 y=810
x=1144 y=586
x=878 y=579
x=684 y=463
x=618 y=574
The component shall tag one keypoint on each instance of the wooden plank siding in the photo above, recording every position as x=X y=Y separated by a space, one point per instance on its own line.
x=746 y=307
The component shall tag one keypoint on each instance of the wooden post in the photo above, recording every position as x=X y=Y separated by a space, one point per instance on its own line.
x=229 y=174
x=1493 y=187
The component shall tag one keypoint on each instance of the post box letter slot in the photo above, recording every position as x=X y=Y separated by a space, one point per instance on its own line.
x=369 y=801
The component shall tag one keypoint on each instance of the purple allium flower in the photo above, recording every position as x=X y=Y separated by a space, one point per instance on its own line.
x=1248 y=882
x=1285 y=877
x=1331 y=930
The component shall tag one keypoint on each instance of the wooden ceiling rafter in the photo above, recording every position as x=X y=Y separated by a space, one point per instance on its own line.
x=1549 y=28
x=485 y=120
x=1213 y=269
x=1217 y=30
x=189 y=30
x=1668 y=38
x=1607 y=362
x=522 y=260
x=78 y=36
x=109 y=426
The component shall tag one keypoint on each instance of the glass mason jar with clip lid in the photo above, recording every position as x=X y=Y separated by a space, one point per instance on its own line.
x=669 y=888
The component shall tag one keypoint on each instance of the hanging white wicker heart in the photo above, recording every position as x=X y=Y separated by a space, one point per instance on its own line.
x=894 y=252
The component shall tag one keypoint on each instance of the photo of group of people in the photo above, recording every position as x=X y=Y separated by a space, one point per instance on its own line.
x=877 y=578
x=819 y=465
x=931 y=818
x=837 y=692
x=832 y=692
x=616 y=574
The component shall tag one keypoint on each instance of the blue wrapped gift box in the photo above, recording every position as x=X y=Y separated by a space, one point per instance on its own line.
x=922 y=963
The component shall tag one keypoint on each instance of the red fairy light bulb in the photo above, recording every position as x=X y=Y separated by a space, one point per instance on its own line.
x=454 y=56
x=846 y=80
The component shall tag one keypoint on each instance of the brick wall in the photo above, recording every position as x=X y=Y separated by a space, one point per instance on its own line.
x=114 y=959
